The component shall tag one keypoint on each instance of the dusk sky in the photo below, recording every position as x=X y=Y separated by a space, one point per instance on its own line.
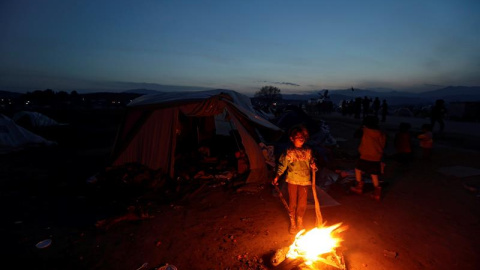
x=297 y=46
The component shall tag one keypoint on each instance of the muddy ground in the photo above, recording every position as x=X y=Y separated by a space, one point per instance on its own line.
x=427 y=219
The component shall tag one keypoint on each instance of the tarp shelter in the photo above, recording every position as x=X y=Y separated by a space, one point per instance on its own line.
x=14 y=137
x=150 y=130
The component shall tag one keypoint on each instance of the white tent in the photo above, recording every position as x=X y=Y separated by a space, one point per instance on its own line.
x=150 y=131
x=35 y=119
x=14 y=137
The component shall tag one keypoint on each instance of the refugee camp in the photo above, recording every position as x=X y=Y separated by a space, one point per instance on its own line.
x=240 y=135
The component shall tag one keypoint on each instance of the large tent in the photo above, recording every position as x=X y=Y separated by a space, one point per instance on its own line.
x=14 y=137
x=153 y=125
x=34 y=119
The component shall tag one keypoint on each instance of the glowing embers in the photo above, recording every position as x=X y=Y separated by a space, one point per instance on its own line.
x=318 y=245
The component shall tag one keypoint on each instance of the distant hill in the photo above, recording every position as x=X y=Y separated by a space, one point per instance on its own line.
x=8 y=94
x=397 y=98
x=110 y=95
x=394 y=98
x=142 y=91
x=453 y=91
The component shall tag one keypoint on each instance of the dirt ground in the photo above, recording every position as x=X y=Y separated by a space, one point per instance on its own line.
x=427 y=219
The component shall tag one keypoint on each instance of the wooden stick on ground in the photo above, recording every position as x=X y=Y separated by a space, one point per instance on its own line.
x=317 y=205
x=285 y=204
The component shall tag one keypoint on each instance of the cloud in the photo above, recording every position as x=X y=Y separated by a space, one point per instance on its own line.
x=118 y=85
x=282 y=83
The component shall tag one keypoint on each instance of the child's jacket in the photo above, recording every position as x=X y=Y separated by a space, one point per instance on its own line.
x=426 y=140
x=296 y=161
x=372 y=144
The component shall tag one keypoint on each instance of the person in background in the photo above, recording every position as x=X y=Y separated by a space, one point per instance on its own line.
x=426 y=141
x=438 y=114
x=297 y=162
x=366 y=106
x=403 y=143
x=371 y=148
x=376 y=106
x=384 y=110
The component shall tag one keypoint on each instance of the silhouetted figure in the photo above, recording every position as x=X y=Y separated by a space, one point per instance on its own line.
x=384 y=110
x=403 y=143
x=344 y=107
x=376 y=106
x=351 y=107
x=366 y=106
x=438 y=114
x=358 y=107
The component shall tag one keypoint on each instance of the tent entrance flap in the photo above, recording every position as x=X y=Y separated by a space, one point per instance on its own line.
x=154 y=143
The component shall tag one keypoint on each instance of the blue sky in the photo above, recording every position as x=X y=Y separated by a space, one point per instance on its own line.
x=297 y=46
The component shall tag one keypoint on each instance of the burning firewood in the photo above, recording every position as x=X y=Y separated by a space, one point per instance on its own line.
x=315 y=247
x=279 y=256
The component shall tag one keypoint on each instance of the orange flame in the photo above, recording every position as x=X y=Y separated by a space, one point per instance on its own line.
x=312 y=244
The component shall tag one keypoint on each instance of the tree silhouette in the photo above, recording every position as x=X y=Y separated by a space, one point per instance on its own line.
x=267 y=95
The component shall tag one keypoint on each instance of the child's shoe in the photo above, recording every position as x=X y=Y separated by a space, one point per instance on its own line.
x=358 y=188
x=377 y=193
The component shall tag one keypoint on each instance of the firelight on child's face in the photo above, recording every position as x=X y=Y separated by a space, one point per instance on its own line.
x=298 y=140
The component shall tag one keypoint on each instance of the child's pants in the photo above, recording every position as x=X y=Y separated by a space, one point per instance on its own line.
x=297 y=200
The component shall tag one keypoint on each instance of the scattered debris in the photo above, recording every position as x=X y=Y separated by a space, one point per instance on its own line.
x=279 y=256
x=168 y=267
x=473 y=186
x=254 y=263
x=390 y=254
x=44 y=244
x=459 y=171
x=144 y=266
x=251 y=188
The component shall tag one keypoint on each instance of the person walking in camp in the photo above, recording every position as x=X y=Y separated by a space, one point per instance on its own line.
x=403 y=143
x=366 y=106
x=438 y=114
x=376 y=106
x=426 y=141
x=297 y=162
x=384 y=108
x=371 y=149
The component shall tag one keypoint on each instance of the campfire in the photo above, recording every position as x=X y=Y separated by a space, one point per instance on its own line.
x=316 y=247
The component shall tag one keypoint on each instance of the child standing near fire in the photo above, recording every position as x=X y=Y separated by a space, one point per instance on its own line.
x=297 y=162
